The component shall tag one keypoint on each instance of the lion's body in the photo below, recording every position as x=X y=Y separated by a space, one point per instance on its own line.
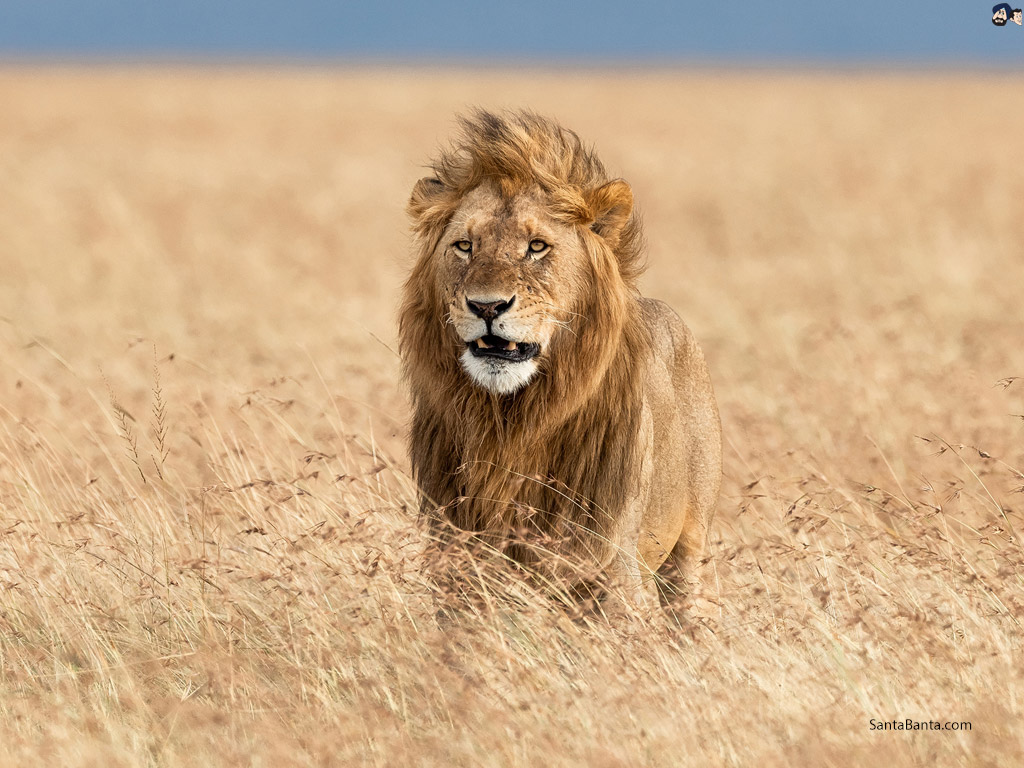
x=685 y=446
x=592 y=439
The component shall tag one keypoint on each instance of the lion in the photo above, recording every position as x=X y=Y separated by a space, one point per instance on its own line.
x=557 y=413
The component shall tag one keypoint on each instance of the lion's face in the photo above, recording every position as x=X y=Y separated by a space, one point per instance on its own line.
x=511 y=278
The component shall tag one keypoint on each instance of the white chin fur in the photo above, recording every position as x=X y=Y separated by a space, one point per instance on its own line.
x=499 y=376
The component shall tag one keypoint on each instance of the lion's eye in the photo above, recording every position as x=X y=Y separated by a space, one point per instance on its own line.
x=538 y=246
x=464 y=246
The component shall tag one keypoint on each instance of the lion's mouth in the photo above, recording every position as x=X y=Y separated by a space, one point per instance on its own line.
x=503 y=349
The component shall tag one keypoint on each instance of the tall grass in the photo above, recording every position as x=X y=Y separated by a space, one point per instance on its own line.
x=209 y=553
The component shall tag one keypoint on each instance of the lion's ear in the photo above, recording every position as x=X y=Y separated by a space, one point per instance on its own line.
x=611 y=206
x=425 y=195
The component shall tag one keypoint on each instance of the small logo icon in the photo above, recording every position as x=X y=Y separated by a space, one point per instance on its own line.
x=1003 y=13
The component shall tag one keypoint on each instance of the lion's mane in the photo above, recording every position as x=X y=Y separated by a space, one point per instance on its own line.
x=551 y=458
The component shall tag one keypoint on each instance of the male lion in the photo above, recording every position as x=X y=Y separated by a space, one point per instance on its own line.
x=558 y=414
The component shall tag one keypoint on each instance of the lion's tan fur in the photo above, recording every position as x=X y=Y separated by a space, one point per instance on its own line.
x=561 y=462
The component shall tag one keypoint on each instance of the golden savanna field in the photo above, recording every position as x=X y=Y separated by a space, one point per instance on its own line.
x=208 y=548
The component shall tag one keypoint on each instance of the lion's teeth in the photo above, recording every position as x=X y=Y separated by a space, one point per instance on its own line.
x=480 y=343
x=510 y=346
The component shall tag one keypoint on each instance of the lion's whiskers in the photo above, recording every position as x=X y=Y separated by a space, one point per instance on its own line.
x=563 y=310
x=560 y=323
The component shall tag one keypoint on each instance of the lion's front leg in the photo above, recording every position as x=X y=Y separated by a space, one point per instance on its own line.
x=627 y=585
x=630 y=581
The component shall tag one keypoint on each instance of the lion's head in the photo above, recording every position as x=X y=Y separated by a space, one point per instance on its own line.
x=508 y=274
x=526 y=246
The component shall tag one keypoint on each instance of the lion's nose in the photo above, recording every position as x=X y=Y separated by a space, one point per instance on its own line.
x=488 y=310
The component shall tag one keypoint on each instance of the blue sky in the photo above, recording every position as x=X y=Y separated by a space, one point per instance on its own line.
x=947 y=32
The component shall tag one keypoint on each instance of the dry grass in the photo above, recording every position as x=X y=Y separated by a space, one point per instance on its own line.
x=222 y=568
